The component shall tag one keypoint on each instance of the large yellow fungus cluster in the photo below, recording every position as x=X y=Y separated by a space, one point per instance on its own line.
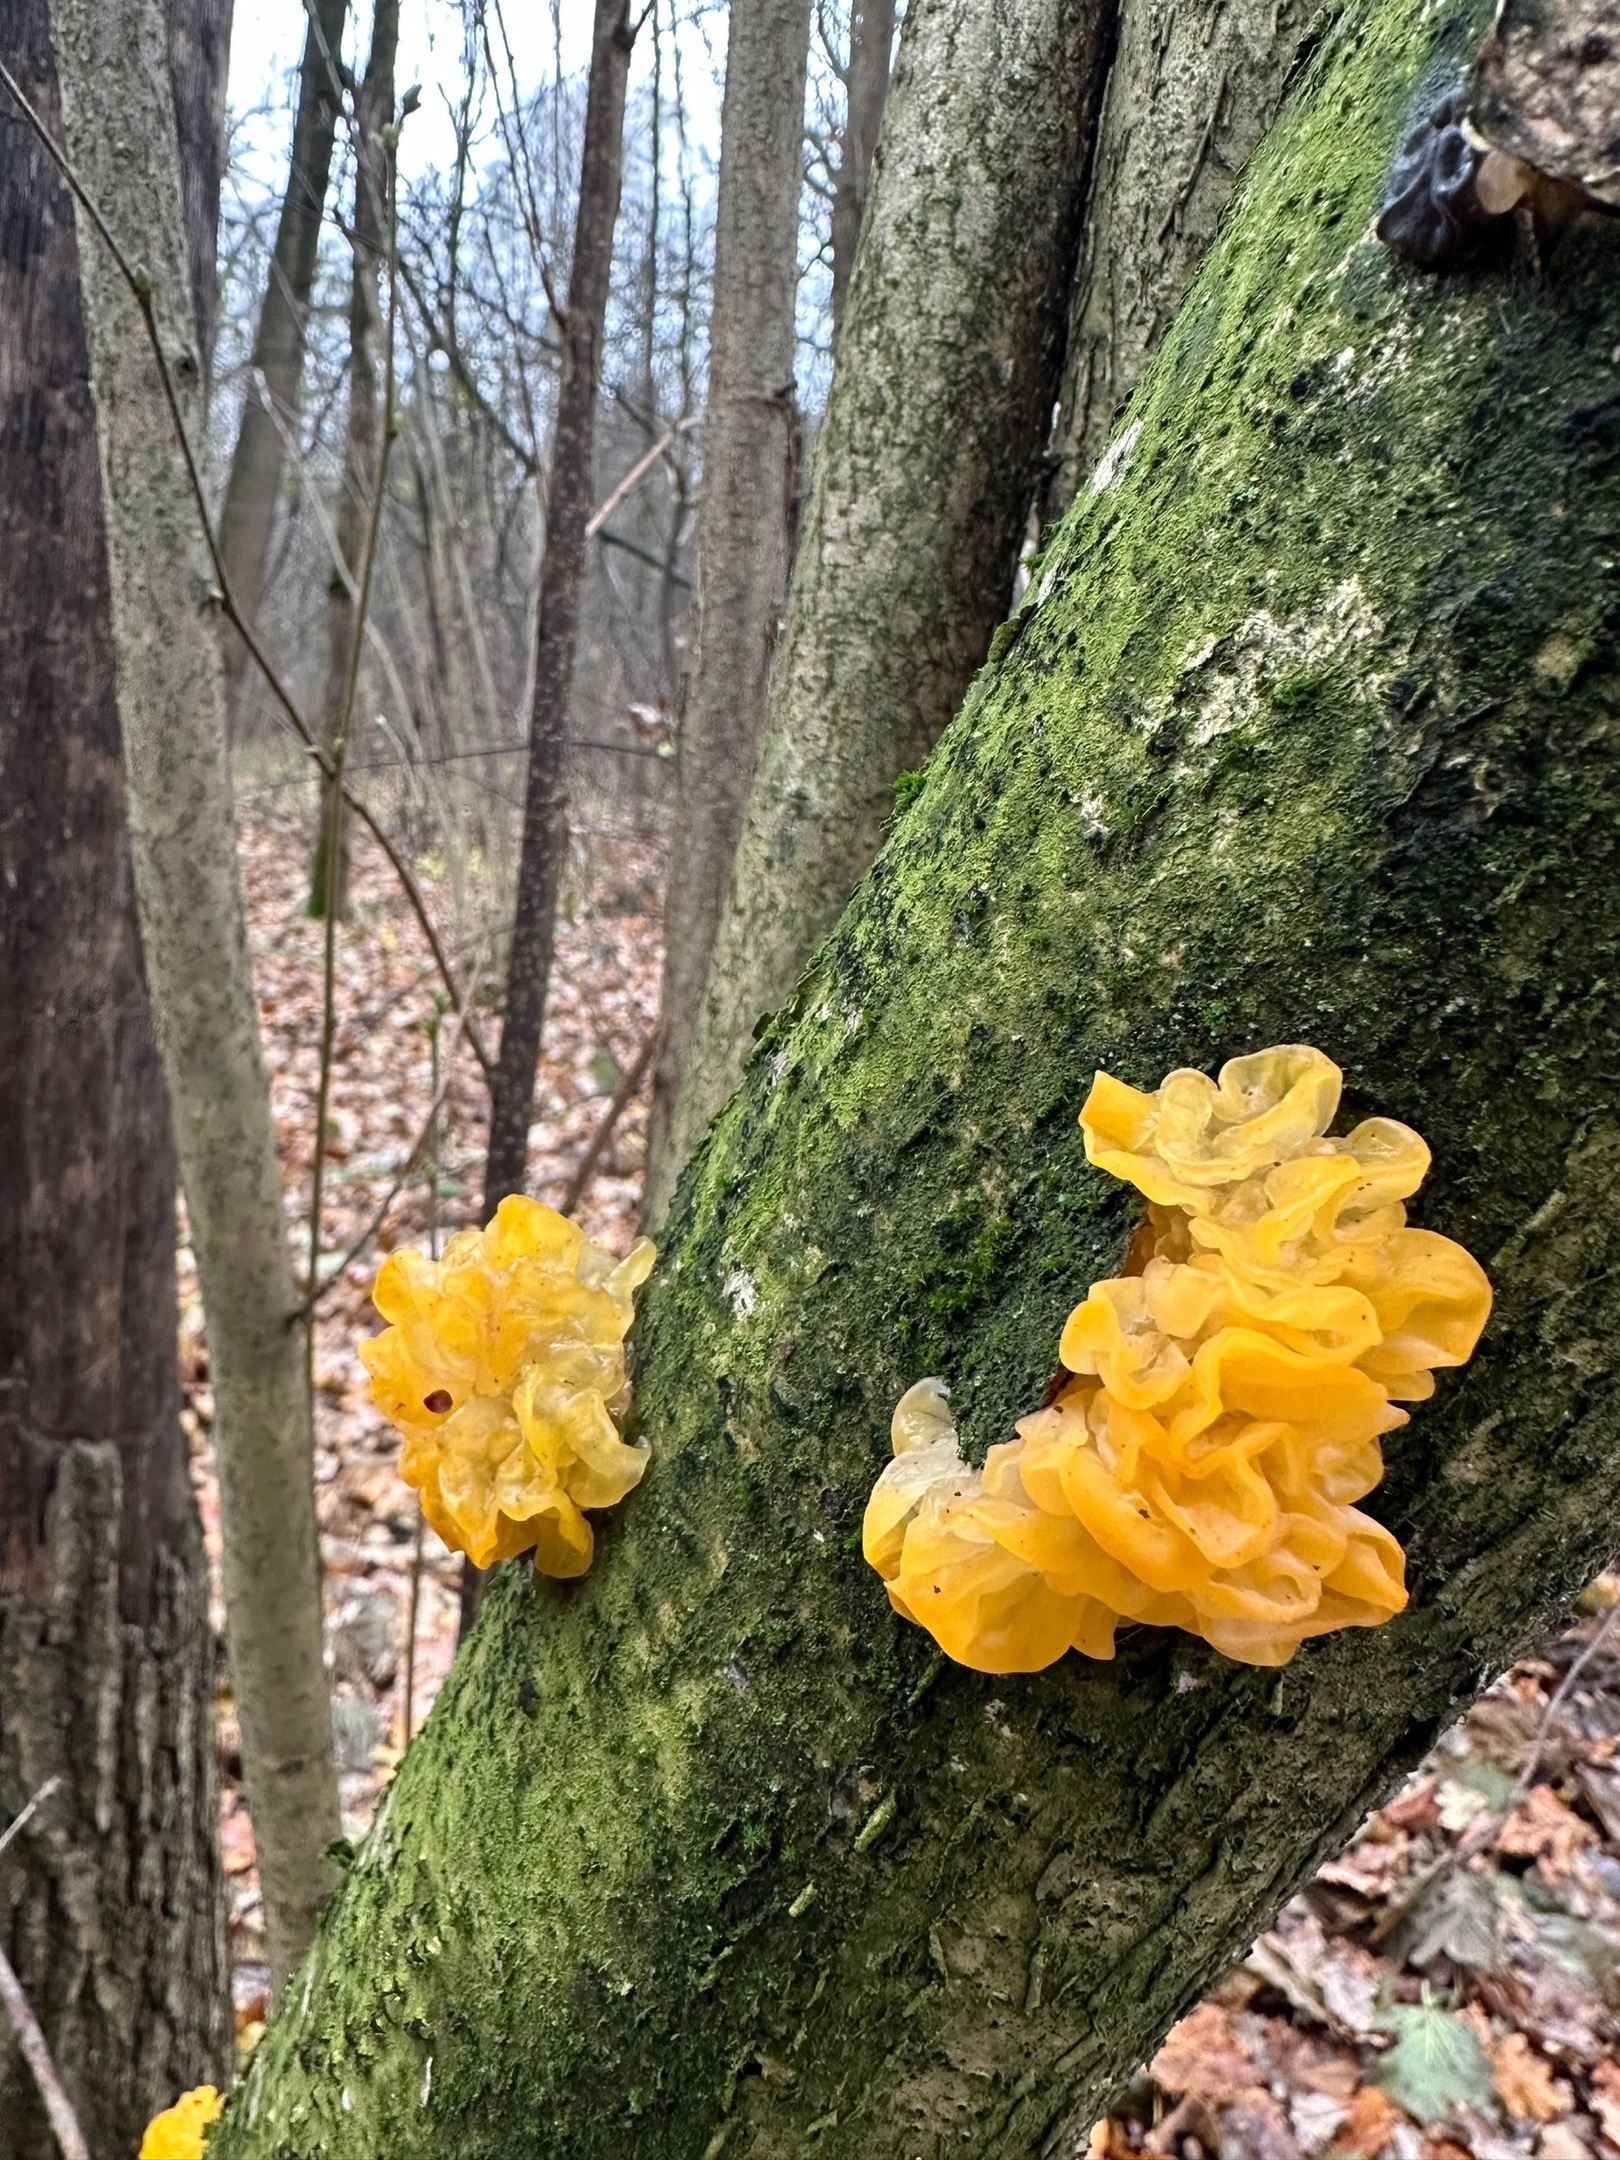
x=504 y=1372
x=1199 y=1468
x=180 y=2132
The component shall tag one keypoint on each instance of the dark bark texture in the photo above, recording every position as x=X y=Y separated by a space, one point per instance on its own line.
x=110 y=1903
x=570 y=489
x=1309 y=732
x=199 y=62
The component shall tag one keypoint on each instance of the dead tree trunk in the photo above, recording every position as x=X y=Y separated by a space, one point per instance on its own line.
x=111 y=1902
x=866 y=92
x=570 y=481
x=742 y=548
x=119 y=130
x=373 y=111
x=249 y=509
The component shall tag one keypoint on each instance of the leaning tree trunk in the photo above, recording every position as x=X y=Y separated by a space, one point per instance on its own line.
x=111 y=1903
x=1310 y=735
x=1190 y=93
x=749 y=424
x=271 y=404
x=866 y=92
x=120 y=134
x=929 y=459
x=369 y=248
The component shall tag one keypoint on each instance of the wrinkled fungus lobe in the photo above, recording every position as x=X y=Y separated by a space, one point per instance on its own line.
x=1225 y=1398
x=179 y=2133
x=504 y=1372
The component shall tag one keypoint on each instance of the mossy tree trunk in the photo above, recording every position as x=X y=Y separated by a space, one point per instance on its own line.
x=1311 y=735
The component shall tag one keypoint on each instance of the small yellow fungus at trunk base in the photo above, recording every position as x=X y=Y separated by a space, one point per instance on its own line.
x=503 y=1370
x=1225 y=1400
x=179 y=2133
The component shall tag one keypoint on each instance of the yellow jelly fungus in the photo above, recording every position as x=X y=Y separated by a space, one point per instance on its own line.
x=1226 y=1396
x=504 y=1372
x=179 y=2133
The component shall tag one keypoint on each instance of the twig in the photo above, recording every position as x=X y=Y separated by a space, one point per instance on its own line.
x=633 y=478
x=17 y=1822
x=30 y=2040
x=318 y=1291
x=623 y=1094
x=1527 y=1776
x=140 y=286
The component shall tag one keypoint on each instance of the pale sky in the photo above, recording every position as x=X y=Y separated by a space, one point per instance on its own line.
x=267 y=38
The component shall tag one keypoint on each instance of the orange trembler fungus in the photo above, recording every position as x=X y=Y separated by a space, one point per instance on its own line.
x=1227 y=1396
x=504 y=1373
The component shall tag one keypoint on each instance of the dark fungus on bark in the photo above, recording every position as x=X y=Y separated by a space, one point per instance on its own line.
x=1431 y=212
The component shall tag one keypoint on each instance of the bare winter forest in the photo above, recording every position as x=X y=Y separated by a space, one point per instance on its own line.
x=725 y=616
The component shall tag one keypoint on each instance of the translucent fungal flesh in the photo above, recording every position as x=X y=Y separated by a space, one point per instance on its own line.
x=180 y=2132
x=1225 y=1399
x=503 y=1370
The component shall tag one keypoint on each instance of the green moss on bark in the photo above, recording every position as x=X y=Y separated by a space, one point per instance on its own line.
x=1311 y=736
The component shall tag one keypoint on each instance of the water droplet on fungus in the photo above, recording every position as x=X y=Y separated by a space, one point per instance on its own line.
x=1223 y=1400
x=503 y=1370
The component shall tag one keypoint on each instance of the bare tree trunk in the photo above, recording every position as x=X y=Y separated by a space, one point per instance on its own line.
x=112 y=1906
x=866 y=91
x=248 y=512
x=947 y=368
x=199 y=35
x=373 y=111
x=1191 y=92
x=569 y=493
x=171 y=693
x=742 y=545
x=570 y=480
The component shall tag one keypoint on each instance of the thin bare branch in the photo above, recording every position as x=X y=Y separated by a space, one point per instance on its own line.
x=140 y=286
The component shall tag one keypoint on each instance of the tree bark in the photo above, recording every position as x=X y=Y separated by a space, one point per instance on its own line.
x=199 y=38
x=373 y=111
x=111 y=1904
x=749 y=430
x=569 y=497
x=120 y=134
x=248 y=512
x=866 y=91
x=709 y=1851
x=929 y=460
x=1190 y=93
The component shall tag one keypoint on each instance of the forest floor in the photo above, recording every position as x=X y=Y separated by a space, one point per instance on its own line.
x=1450 y=1986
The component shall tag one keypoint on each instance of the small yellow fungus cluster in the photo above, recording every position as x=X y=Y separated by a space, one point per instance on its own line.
x=179 y=2133
x=504 y=1372
x=1199 y=1468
